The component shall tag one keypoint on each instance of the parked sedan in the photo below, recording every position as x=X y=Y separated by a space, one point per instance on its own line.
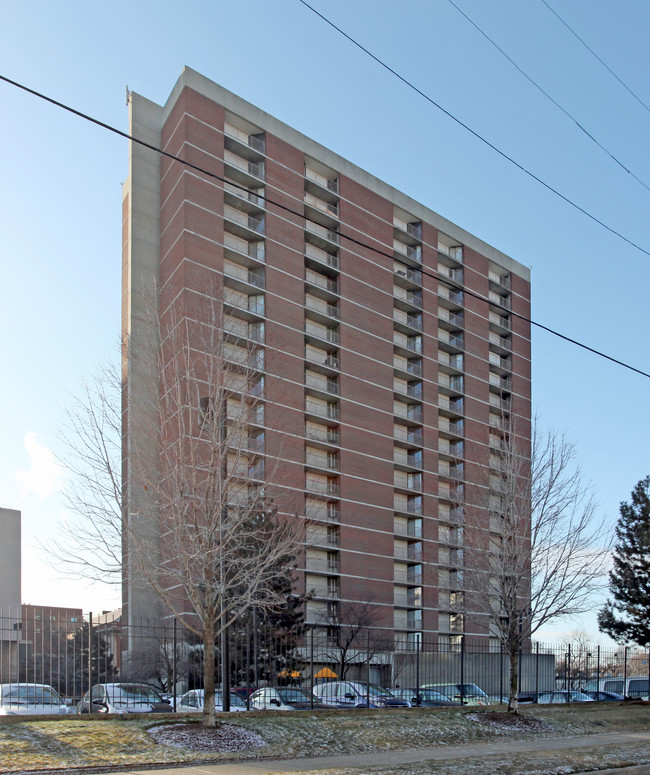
x=354 y=694
x=21 y=699
x=605 y=696
x=471 y=694
x=544 y=698
x=124 y=698
x=284 y=698
x=424 y=698
x=193 y=702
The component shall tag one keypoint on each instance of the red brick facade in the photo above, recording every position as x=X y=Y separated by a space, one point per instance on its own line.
x=386 y=356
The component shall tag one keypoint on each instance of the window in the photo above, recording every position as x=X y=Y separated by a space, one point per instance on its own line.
x=256 y=304
x=414 y=481
x=414 y=504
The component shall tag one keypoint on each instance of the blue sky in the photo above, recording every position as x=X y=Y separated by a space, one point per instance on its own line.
x=60 y=219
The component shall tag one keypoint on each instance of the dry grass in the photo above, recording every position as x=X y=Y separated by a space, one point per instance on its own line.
x=72 y=743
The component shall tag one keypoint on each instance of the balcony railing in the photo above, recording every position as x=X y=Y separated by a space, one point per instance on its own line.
x=256 y=169
x=455 y=273
x=325 y=512
x=322 y=231
x=252 y=249
x=414 y=252
x=318 y=305
x=412 y=275
x=328 y=566
x=247 y=195
x=326 y=385
x=322 y=461
x=320 y=281
x=502 y=280
x=327 y=436
x=501 y=301
x=331 y=184
x=256 y=142
x=311 y=251
x=331 y=208
x=326 y=592
x=322 y=488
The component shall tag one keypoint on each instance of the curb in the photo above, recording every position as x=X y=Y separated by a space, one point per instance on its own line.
x=635 y=769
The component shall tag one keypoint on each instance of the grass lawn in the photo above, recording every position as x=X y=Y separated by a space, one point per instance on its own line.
x=76 y=741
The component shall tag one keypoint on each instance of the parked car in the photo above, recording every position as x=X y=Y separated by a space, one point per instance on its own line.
x=284 y=698
x=192 y=702
x=353 y=694
x=244 y=691
x=21 y=699
x=605 y=696
x=124 y=698
x=634 y=687
x=545 y=698
x=424 y=698
x=469 y=694
x=528 y=697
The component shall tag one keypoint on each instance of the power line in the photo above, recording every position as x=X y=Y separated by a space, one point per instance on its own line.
x=269 y=201
x=591 y=51
x=501 y=153
x=548 y=97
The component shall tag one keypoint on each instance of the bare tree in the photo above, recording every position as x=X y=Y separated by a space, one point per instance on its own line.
x=353 y=634
x=91 y=544
x=543 y=552
x=201 y=524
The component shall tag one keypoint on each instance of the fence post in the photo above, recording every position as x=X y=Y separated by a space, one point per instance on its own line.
x=174 y=676
x=501 y=693
x=256 y=675
x=311 y=668
x=568 y=674
x=597 y=668
x=625 y=694
x=368 y=669
x=90 y=662
x=537 y=670
x=418 y=648
x=462 y=669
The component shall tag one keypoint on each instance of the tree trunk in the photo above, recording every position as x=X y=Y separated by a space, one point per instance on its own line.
x=513 y=705
x=209 y=715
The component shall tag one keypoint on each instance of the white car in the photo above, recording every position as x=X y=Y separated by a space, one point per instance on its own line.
x=21 y=699
x=193 y=702
x=285 y=698
x=124 y=698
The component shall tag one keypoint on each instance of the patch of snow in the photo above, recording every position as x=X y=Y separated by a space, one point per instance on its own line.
x=509 y=722
x=224 y=737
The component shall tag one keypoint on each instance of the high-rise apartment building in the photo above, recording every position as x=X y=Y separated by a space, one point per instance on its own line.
x=388 y=345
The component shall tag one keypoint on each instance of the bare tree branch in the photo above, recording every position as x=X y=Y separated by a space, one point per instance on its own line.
x=543 y=552
x=200 y=516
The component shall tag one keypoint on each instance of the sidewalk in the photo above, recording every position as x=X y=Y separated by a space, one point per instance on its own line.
x=387 y=758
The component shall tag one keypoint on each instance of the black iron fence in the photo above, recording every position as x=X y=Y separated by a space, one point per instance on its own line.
x=72 y=652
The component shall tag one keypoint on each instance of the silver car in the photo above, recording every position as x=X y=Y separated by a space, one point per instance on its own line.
x=22 y=699
x=124 y=698
x=193 y=702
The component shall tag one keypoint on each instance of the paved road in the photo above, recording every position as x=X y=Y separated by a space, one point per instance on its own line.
x=386 y=758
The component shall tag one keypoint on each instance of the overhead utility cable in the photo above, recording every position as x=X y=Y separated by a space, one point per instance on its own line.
x=269 y=201
x=501 y=153
x=548 y=97
x=591 y=51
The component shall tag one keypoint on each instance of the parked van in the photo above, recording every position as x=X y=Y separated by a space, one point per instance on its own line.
x=634 y=687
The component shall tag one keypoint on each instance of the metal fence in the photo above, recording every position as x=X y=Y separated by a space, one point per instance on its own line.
x=71 y=652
